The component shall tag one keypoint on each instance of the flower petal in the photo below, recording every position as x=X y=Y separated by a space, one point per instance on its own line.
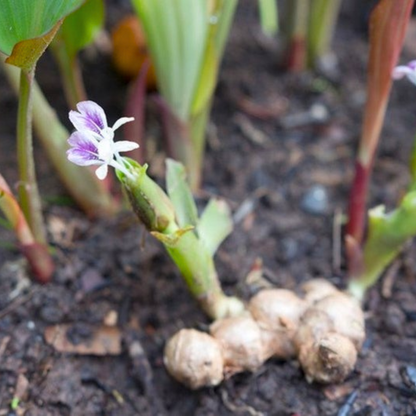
x=84 y=149
x=125 y=146
x=102 y=171
x=121 y=121
x=90 y=116
x=79 y=158
x=401 y=71
x=82 y=139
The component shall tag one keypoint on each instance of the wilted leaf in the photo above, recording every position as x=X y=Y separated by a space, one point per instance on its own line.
x=103 y=341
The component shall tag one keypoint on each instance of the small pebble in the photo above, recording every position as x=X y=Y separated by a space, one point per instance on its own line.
x=289 y=249
x=411 y=375
x=395 y=319
x=315 y=201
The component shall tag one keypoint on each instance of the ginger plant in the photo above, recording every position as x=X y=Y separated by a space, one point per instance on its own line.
x=190 y=241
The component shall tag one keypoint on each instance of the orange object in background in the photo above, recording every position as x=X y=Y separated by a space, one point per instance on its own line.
x=130 y=50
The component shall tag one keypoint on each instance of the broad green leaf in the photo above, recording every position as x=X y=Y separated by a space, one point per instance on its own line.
x=180 y=194
x=215 y=224
x=80 y=28
x=28 y=26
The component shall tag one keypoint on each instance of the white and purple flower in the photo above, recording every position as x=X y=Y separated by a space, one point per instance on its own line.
x=93 y=142
x=408 y=70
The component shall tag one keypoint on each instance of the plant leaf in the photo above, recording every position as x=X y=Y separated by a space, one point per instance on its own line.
x=81 y=27
x=215 y=224
x=269 y=18
x=387 y=233
x=171 y=240
x=28 y=26
x=388 y=24
x=221 y=17
x=180 y=194
x=176 y=32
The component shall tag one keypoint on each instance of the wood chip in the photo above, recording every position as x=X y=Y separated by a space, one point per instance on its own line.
x=103 y=341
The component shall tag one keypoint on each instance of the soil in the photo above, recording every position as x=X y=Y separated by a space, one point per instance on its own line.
x=273 y=162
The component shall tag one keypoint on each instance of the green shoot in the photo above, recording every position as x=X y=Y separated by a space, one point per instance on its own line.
x=78 y=30
x=187 y=63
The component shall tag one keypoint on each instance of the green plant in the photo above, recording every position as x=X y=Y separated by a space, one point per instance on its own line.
x=367 y=258
x=187 y=63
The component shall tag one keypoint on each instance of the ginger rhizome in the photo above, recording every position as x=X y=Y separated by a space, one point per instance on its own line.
x=323 y=329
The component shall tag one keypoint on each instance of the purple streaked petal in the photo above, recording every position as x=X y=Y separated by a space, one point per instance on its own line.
x=125 y=146
x=412 y=64
x=121 y=121
x=84 y=150
x=83 y=139
x=102 y=171
x=90 y=116
x=80 y=158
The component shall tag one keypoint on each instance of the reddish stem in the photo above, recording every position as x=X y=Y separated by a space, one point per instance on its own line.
x=357 y=209
x=296 y=54
x=39 y=261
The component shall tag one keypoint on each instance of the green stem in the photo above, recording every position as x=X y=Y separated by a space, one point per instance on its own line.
x=323 y=16
x=70 y=74
x=28 y=189
x=156 y=212
x=82 y=184
x=269 y=16
x=197 y=127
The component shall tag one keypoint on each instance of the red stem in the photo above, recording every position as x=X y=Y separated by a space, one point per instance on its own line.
x=357 y=209
x=39 y=260
x=296 y=54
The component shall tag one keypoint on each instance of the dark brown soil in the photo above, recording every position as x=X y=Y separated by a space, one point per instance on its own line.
x=270 y=167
